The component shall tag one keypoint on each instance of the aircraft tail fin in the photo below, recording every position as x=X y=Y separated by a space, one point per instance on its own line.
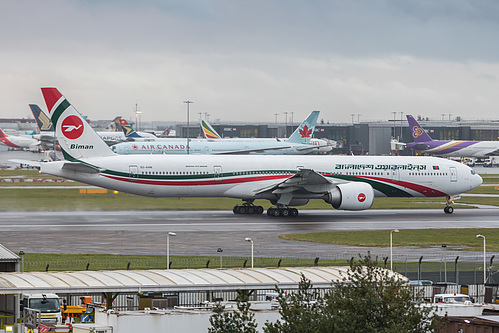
x=43 y=122
x=2 y=134
x=306 y=129
x=417 y=132
x=128 y=129
x=77 y=139
x=208 y=131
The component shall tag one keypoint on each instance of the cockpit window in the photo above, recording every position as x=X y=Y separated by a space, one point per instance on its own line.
x=473 y=172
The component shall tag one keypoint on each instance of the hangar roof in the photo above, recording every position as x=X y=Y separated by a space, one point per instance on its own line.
x=7 y=255
x=166 y=280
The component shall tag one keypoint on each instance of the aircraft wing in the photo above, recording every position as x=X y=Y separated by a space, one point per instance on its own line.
x=34 y=164
x=305 y=183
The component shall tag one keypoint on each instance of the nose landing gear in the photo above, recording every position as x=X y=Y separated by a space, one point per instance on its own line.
x=448 y=208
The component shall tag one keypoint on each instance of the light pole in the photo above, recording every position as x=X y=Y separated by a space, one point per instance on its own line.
x=188 y=102
x=21 y=253
x=219 y=250
x=248 y=239
x=286 y=124
x=401 y=120
x=168 y=248
x=137 y=117
x=391 y=248
x=445 y=261
x=484 y=253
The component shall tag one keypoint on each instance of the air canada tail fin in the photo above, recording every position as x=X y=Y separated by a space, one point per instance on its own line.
x=128 y=129
x=77 y=139
x=417 y=132
x=42 y=120
x=304 y=132
x=208 y=131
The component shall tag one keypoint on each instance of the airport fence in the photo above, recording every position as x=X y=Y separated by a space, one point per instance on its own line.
x=438 y=267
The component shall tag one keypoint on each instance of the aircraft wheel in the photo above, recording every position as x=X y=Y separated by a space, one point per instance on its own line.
x=276 y=212
x=235 y=210
x=242 y=210
x=284 y=212
x=270 y=211
x=449 y=209
x=251 y=210
x=259 y=210
x=293 y=212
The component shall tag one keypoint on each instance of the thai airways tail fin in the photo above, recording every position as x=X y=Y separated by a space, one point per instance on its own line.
x=77 y=139
x=417 y=132
x=43 y=122
x=128 y=129
x=304 y=132
x=208 y=131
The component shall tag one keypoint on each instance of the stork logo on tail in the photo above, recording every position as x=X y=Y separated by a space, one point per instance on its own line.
x=72 y=127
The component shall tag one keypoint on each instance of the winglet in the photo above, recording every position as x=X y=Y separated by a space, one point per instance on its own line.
x=304 y=132
x=208 y=130
x=417 y=132
x=51 y=96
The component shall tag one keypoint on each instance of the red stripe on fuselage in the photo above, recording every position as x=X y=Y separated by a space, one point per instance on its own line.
x=9 y=143
x=195 y=182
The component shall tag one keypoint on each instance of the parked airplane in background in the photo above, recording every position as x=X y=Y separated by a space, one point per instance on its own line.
x=346 y=182
x=18 y=142
x=211 y=134
x=297 y=144
x=449 y=148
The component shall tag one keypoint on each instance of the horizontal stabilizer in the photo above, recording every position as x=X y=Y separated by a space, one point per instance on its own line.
x=79 y=167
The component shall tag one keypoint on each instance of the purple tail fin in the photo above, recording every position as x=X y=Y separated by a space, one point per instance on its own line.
x=417 y=132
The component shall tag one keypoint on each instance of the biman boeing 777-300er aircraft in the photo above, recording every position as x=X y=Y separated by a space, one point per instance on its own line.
x=346 y=182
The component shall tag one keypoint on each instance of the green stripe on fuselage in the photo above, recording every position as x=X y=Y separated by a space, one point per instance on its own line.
x=386 y=189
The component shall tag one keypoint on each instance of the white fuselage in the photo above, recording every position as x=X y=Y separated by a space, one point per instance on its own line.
x=203 y=146
x=242 y=176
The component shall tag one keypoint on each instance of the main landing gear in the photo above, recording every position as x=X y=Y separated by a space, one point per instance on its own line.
x=448 y=208
x=282 y=211
x=248 y=208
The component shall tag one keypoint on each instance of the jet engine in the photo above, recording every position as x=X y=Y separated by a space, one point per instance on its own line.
x=351 y=196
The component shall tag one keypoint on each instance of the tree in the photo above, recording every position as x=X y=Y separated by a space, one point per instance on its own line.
x=368 y=299
x=373 y=299
x=240 y=321
x=300 y=312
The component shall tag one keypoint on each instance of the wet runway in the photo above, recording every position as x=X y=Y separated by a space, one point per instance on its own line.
x=203 y=232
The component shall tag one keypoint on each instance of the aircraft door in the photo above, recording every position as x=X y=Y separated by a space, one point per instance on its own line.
x=453 y=174
x=133 y=171
x=395 y=174
x=217 y=172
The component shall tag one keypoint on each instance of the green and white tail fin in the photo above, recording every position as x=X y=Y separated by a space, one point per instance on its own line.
x=208 y=131
x=304 y=132
x=77 y=139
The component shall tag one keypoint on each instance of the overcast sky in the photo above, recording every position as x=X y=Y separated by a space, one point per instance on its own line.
x=247 y=60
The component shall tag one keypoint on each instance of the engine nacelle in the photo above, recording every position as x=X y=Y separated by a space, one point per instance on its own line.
x=351 y=196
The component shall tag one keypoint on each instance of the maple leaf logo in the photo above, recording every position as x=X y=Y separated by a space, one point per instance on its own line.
x=305 y=132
